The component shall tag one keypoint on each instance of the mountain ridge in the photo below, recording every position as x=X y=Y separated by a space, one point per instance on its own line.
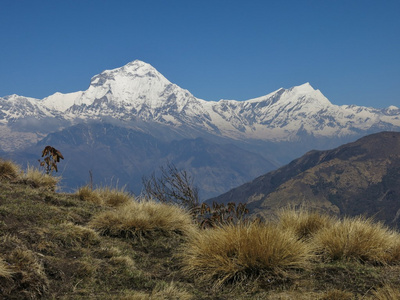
x=274 y=128
x=137 y=91
x=355 y=178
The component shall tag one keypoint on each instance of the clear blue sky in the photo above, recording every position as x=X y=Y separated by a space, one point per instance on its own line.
x=350 y=50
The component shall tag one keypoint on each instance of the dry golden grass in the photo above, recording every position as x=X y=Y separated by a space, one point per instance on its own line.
x=37 y=178
x=170 y=291
x=105 y=196
x=235 y=252
x=303 y=222
x=86 y=193
x=393 y=253
x=357 y=239
x=28 y=280
x=70 y=235
x=165 y=291
x=386 y=292
x=137 y=218
x=8 y=169
x=337 y=295
x=115 y=197
x=5 y=270
x=44 y=254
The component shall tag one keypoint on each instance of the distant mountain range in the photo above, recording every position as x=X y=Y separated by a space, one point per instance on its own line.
x=132 y=119
x=362 y=177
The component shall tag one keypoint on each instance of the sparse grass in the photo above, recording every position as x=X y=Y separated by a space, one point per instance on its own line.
x=5 y=270
x=137 y=218
x=337 y=295
x=85 y=193
x=28 y=279
x=393 y=253
x=357 y=239
x=236 y=252
x=8 y=170
x=387 y=292
x=37 y=179
x=302 y=221
x=170 y=291
x=105 y=196
x=50 y=248
x=70 y=235
x=115 y=197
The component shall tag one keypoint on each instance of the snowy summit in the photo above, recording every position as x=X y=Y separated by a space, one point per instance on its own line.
x=137 y=92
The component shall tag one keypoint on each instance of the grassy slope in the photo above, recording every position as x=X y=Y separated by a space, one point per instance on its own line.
x=49 y=251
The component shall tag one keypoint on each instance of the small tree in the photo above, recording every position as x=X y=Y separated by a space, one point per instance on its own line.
x=220 y=214
x=51 y=157
x=173 y=185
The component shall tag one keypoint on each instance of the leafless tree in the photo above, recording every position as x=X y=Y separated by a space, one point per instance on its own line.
x=172 y=185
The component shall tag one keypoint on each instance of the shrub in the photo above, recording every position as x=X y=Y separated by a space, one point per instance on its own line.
x=233 y=252
x=303 y=222
x=357 y=239
x=137 y=218
x=172 y=186
x=219 y=214
x=37 y=178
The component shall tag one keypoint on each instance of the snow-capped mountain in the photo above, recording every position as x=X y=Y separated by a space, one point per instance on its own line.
x=132 y=119
x=138 y=92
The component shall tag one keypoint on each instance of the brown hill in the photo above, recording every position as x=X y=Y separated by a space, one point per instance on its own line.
x=362 y=177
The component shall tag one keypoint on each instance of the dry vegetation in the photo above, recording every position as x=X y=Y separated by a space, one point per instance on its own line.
x=140 y=218
x=243 y=251
x=105 y=196
x=107 y=244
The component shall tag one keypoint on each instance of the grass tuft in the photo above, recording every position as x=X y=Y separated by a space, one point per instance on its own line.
x=112 y=197
x=70 y=235
x=85 y=193
x=28 y=279
x=233 y=252
x=170 y=291
x=387 y=292
x=303 y=222
x=5 y=271
x=337 y=294
x=8 y=170
x=358 y=239
x=115 y=197
x=137 y=218
x=37 y=179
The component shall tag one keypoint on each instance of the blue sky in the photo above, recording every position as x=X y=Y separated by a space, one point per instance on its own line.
x=350 y=50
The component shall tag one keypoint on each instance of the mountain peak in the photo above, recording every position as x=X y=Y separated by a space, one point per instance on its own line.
x=138 y=67
x=304 y=88
x=134 y=69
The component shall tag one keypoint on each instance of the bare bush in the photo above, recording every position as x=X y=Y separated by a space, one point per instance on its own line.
x=172 y=186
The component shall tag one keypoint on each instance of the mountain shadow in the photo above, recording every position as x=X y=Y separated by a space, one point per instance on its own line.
x=362 y=177
x=121 y=156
